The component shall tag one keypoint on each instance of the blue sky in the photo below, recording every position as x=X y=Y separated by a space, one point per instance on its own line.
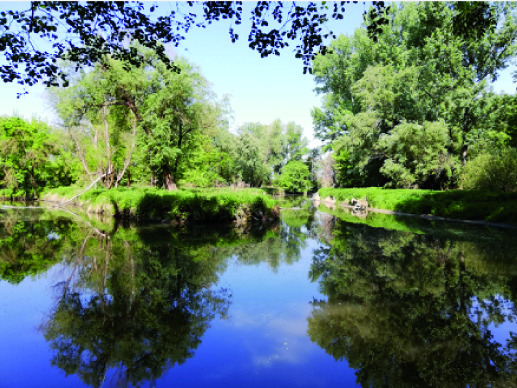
x=260 y=89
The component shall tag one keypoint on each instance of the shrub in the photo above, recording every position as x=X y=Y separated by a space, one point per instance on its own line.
x=494 y=172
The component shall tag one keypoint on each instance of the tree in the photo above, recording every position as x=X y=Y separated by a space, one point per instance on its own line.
x=492 y=172
x=420 y=69
x=94 y=30
x=179 y=108
x=30 y=159
x=151 y=114
x=295 y=177
x=99 y=113
x=296 y=143
x=260 y=151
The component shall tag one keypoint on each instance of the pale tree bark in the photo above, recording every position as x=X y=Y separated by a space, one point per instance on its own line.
x=127 y=161
x=168 y=181
x=109 y=168
x=80 y=154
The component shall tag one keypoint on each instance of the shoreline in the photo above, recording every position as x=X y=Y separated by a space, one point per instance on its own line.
x=175 y=207
x=421 y=200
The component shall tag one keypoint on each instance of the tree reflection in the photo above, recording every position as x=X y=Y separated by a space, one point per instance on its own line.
x=134 y=302
x=140 y=300
x=28 y=245
x=410 y=310
x=140 y=307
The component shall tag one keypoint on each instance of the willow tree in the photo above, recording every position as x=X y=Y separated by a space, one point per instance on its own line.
x=177 y=111
x=99 y=114
x=116 y=112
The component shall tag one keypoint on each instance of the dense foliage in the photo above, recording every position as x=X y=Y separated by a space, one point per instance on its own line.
x=183 y=205
x=412 y=107
x=295 y=177
x=153 y=126
x=407 y=103
x=496 y=172
x=30 y=159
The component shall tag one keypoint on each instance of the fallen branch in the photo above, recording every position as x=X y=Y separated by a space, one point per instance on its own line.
x=88 y=188
x=59 y=204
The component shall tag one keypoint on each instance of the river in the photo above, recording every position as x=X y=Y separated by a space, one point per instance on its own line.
x=322 y=298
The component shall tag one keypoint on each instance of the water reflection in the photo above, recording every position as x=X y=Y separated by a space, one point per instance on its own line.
x=410 y=310
x=134 y=300
x=142 y=308
x=28 y=243
x=421 y=305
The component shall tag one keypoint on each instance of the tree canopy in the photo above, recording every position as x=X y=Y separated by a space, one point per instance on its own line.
x=85 y=32
x=30 y=159
x=411 y=107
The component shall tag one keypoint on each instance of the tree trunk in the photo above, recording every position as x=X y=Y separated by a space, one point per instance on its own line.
x=127 y=161
x=168 y=181
x=109 y=168
x=464 y=152
x=81 y=155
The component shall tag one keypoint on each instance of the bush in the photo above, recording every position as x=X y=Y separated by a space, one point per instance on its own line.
x=494 y=172
x=295 y=177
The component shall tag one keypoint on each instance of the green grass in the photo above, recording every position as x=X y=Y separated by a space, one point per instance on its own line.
x=202 y=205
x=459 y=204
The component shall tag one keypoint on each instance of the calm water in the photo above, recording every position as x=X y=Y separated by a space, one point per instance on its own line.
x=321 y=299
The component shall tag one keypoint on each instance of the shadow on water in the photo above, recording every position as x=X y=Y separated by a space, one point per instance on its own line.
x=410 y=309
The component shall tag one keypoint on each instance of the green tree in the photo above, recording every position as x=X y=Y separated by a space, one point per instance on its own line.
x=100 y=114
x=492 y=172
x=30 y=159
x=150 y=116
x=260 y=151
x=295 y=142
x=174 y=114
x=295 y=177
x=419 y=69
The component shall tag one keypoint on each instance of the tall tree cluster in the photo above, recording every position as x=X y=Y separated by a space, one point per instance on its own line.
x=150 y=125
x=153 y=125
x=411 y=107
x=119 y=117
x=262 y=150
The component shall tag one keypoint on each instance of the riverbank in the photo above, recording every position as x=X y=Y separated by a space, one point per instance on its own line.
x=454 y=204
x=179 y=206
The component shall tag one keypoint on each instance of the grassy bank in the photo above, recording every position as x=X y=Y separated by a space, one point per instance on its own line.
x=458 y=204
x=210 y=205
